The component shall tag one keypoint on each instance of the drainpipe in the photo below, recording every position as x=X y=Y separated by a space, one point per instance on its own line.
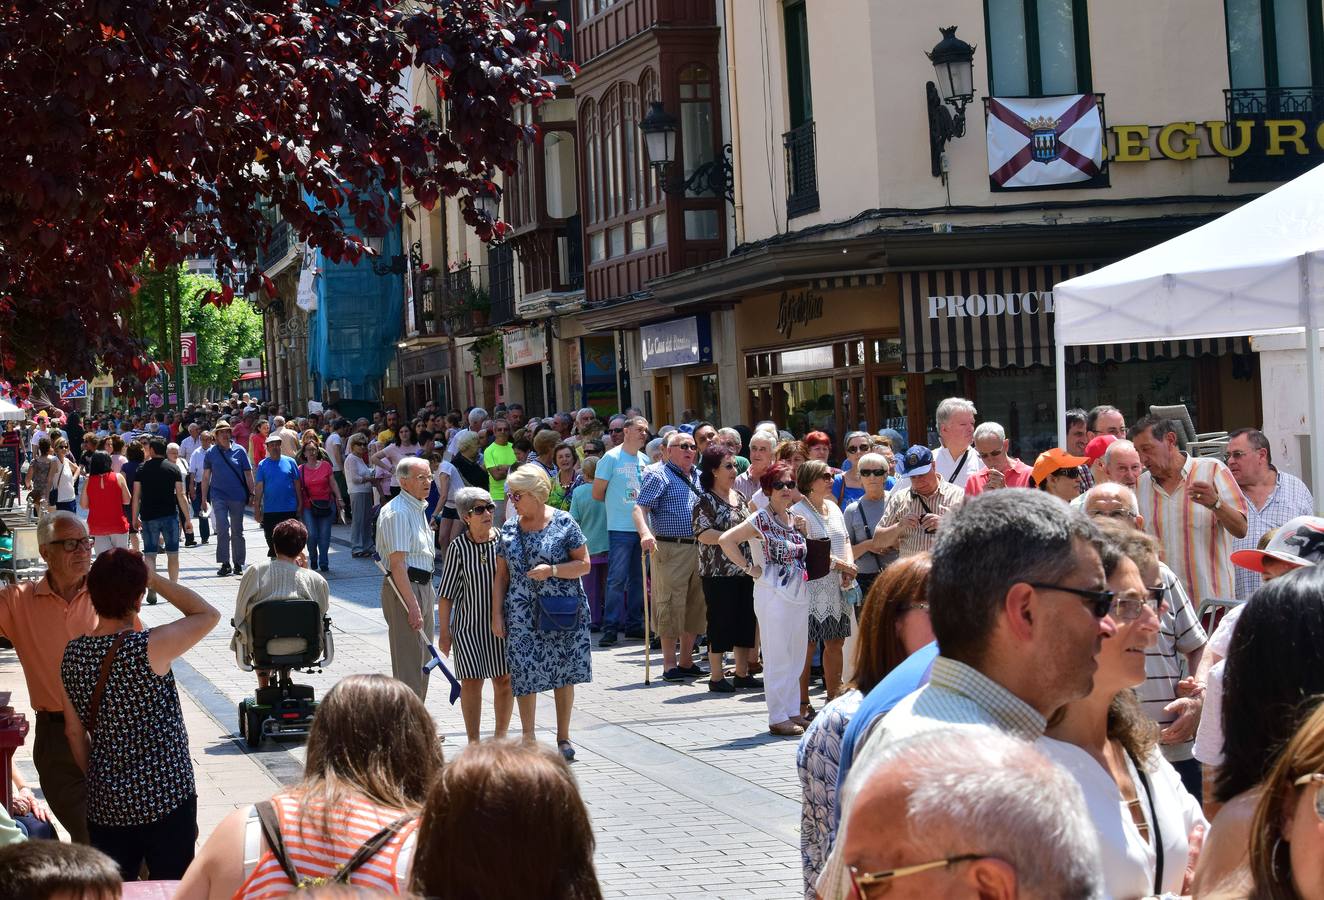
x=738 y=194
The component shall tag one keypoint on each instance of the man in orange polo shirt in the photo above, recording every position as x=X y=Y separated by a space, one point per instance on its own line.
x=40 y=618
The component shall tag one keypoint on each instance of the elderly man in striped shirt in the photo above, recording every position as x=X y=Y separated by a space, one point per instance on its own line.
x=405 y=544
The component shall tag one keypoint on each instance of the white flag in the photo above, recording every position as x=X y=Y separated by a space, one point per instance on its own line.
x=1044 y=141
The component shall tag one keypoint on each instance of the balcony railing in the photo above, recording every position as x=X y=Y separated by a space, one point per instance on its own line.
x=801 y=170
x=453 y=303
x=275 y=248
x=1259 y=105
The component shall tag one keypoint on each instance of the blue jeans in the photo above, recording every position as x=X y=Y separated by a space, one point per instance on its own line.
x=319 y=539
x=161 y=535
x=624 y=608
x=230 y=543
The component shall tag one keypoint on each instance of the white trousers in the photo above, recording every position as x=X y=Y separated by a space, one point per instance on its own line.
x=783 y=614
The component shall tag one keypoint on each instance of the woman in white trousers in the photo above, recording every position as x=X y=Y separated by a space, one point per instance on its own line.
x=781 y=601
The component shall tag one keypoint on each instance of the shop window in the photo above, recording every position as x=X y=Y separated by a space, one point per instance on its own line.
x=809 y=359
x=1037 y=48
x=1274 y=43
x=696 y=119
x=1024 y=403
x=938 y=386
x=808 y=406
x=702 y=396
x=890 y=391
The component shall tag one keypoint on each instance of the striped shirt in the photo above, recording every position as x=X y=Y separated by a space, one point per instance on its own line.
x=1194 y=543
x=1290 y=498
x=317 y=855
x=1180 y=634
x=904 y=502
x=956 y=696
x=402 y=527
x=466 y=581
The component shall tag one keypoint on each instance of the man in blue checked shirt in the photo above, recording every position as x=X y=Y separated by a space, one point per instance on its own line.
x=663 y=517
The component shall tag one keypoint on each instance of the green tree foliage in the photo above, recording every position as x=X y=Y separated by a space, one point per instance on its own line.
x=225 y=333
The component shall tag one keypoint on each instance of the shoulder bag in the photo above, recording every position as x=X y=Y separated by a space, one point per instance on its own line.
x=556 y=612
x=266 y=814
x=243 y=482
x=94 y=705
x=960 y=464
x=319 y=508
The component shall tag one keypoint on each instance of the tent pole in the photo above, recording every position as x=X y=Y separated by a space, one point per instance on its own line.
x=1061 y=376
x=1316 y=399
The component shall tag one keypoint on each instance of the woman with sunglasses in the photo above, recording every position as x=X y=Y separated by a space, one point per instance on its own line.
x=727 y=588
x=847 y=487
x=1146 y=820
x=1058 y=473
x=831 y=610
x=862 y=517
x=465 y=607
x=781 y=601
x=1287 y=837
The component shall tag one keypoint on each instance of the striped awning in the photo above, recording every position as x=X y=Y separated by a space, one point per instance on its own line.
x=1003 y=318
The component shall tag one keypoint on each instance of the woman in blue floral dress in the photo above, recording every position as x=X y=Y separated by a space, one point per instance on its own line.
x=541 y=555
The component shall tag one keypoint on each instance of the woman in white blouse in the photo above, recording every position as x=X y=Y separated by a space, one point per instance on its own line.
x=1144 y=816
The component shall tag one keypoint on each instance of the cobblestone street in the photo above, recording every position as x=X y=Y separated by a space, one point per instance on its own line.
x=689 y=795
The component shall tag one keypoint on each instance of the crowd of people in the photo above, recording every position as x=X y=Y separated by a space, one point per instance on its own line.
x=1014 y=653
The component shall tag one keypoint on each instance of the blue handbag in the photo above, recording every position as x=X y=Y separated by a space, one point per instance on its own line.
x=556 y=612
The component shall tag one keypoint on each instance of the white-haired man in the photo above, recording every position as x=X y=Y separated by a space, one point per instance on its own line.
x=968 y=814
x=475 y=420
x=39 y=618
x=956 y=460
x=406 y=545
x=762 y=444
x=1001 y=469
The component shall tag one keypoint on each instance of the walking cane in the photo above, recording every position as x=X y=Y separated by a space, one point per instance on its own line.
x=435 y=662
x=648 y=597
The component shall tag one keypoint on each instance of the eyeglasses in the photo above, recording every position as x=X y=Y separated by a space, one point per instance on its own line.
x=615 y=431
x=857 y=448
x=1112 y=514
x=479 y=508
x=1097 y=602
x=1158 y=592
x=993 y=454
x=783 y=485
x=873 y=473
x=861 y=880
x=683 y=446
x=1128 y=607
x=1241 y=454
x=826 y=476
x=514 y=497
x=71 y=545
x=727 y=465
x=1319 y=795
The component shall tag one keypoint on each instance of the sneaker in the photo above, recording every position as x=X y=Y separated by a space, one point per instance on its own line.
x=608 y=639
x=693 y=670
x=238 y=570
x=224 y=570
x=325 y=570
x=190 y=542
x=675 y=673
x=206 y=541
x=721 y=687
x=567 y=750
x=747 y=682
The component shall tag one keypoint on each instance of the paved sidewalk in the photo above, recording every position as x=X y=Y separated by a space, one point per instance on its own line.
x=689 y=795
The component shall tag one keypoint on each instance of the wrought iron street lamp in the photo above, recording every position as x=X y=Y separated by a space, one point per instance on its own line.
x=396 y=264
x=953 y=66
x=714 y=177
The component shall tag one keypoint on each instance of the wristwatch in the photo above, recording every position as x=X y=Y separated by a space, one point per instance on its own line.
x=1218 y=501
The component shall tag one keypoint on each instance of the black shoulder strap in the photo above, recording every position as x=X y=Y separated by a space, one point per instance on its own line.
x=266 y=814
x=960 y=464
x=1154 y=823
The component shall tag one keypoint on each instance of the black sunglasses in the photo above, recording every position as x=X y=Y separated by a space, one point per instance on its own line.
x=1099 y=603
x=857 y=448
x=870 y=473
x=615 y=430
x=482 y=508
x=783 y=485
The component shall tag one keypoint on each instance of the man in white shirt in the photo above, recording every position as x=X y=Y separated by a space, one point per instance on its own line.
x=476 y=417
x=335 y=450
x=196 y=500
x=956 y=459
x=191 y=442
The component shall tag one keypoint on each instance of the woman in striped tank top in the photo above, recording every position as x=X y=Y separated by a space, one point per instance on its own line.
x=372 y=754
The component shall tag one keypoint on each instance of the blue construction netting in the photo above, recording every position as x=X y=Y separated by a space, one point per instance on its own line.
x=352 y=335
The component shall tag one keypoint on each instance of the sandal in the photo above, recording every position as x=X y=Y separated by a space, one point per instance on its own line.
x=807 y=712
x=567 y=750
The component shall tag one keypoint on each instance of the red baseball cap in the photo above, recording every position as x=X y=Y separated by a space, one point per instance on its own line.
x=1095 y=449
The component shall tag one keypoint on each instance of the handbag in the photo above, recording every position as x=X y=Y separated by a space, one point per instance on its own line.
x=853 y=595
x=319 y=508
x=556 y=612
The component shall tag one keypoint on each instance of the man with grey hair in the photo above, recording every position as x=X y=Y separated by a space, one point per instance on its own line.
x=762 y=444
x=614 y=436
x=39 y=618
x=955 y=459
x=1020 y=610
x=289 y=438
x=1001 y=469
x=475 y=420
x=1121 y=463
x=985 y=816
x=1273 y=498
x=405 y=544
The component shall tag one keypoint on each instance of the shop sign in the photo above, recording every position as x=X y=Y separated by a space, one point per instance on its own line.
x=680 y=342
x=798 y=308
x=955 y=305
x=1189 y=140
x=524 y=347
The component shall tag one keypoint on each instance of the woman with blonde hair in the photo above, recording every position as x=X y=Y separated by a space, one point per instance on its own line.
x=372 y=755
x=527 y=796
x=538 y=602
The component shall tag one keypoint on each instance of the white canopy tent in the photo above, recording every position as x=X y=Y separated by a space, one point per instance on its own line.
x=1256 y=270
x=10 y=413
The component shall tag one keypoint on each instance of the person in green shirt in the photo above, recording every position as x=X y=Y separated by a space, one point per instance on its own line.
x=498 y=459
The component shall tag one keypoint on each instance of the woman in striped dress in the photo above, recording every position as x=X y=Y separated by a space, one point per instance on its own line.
x=465 y=601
